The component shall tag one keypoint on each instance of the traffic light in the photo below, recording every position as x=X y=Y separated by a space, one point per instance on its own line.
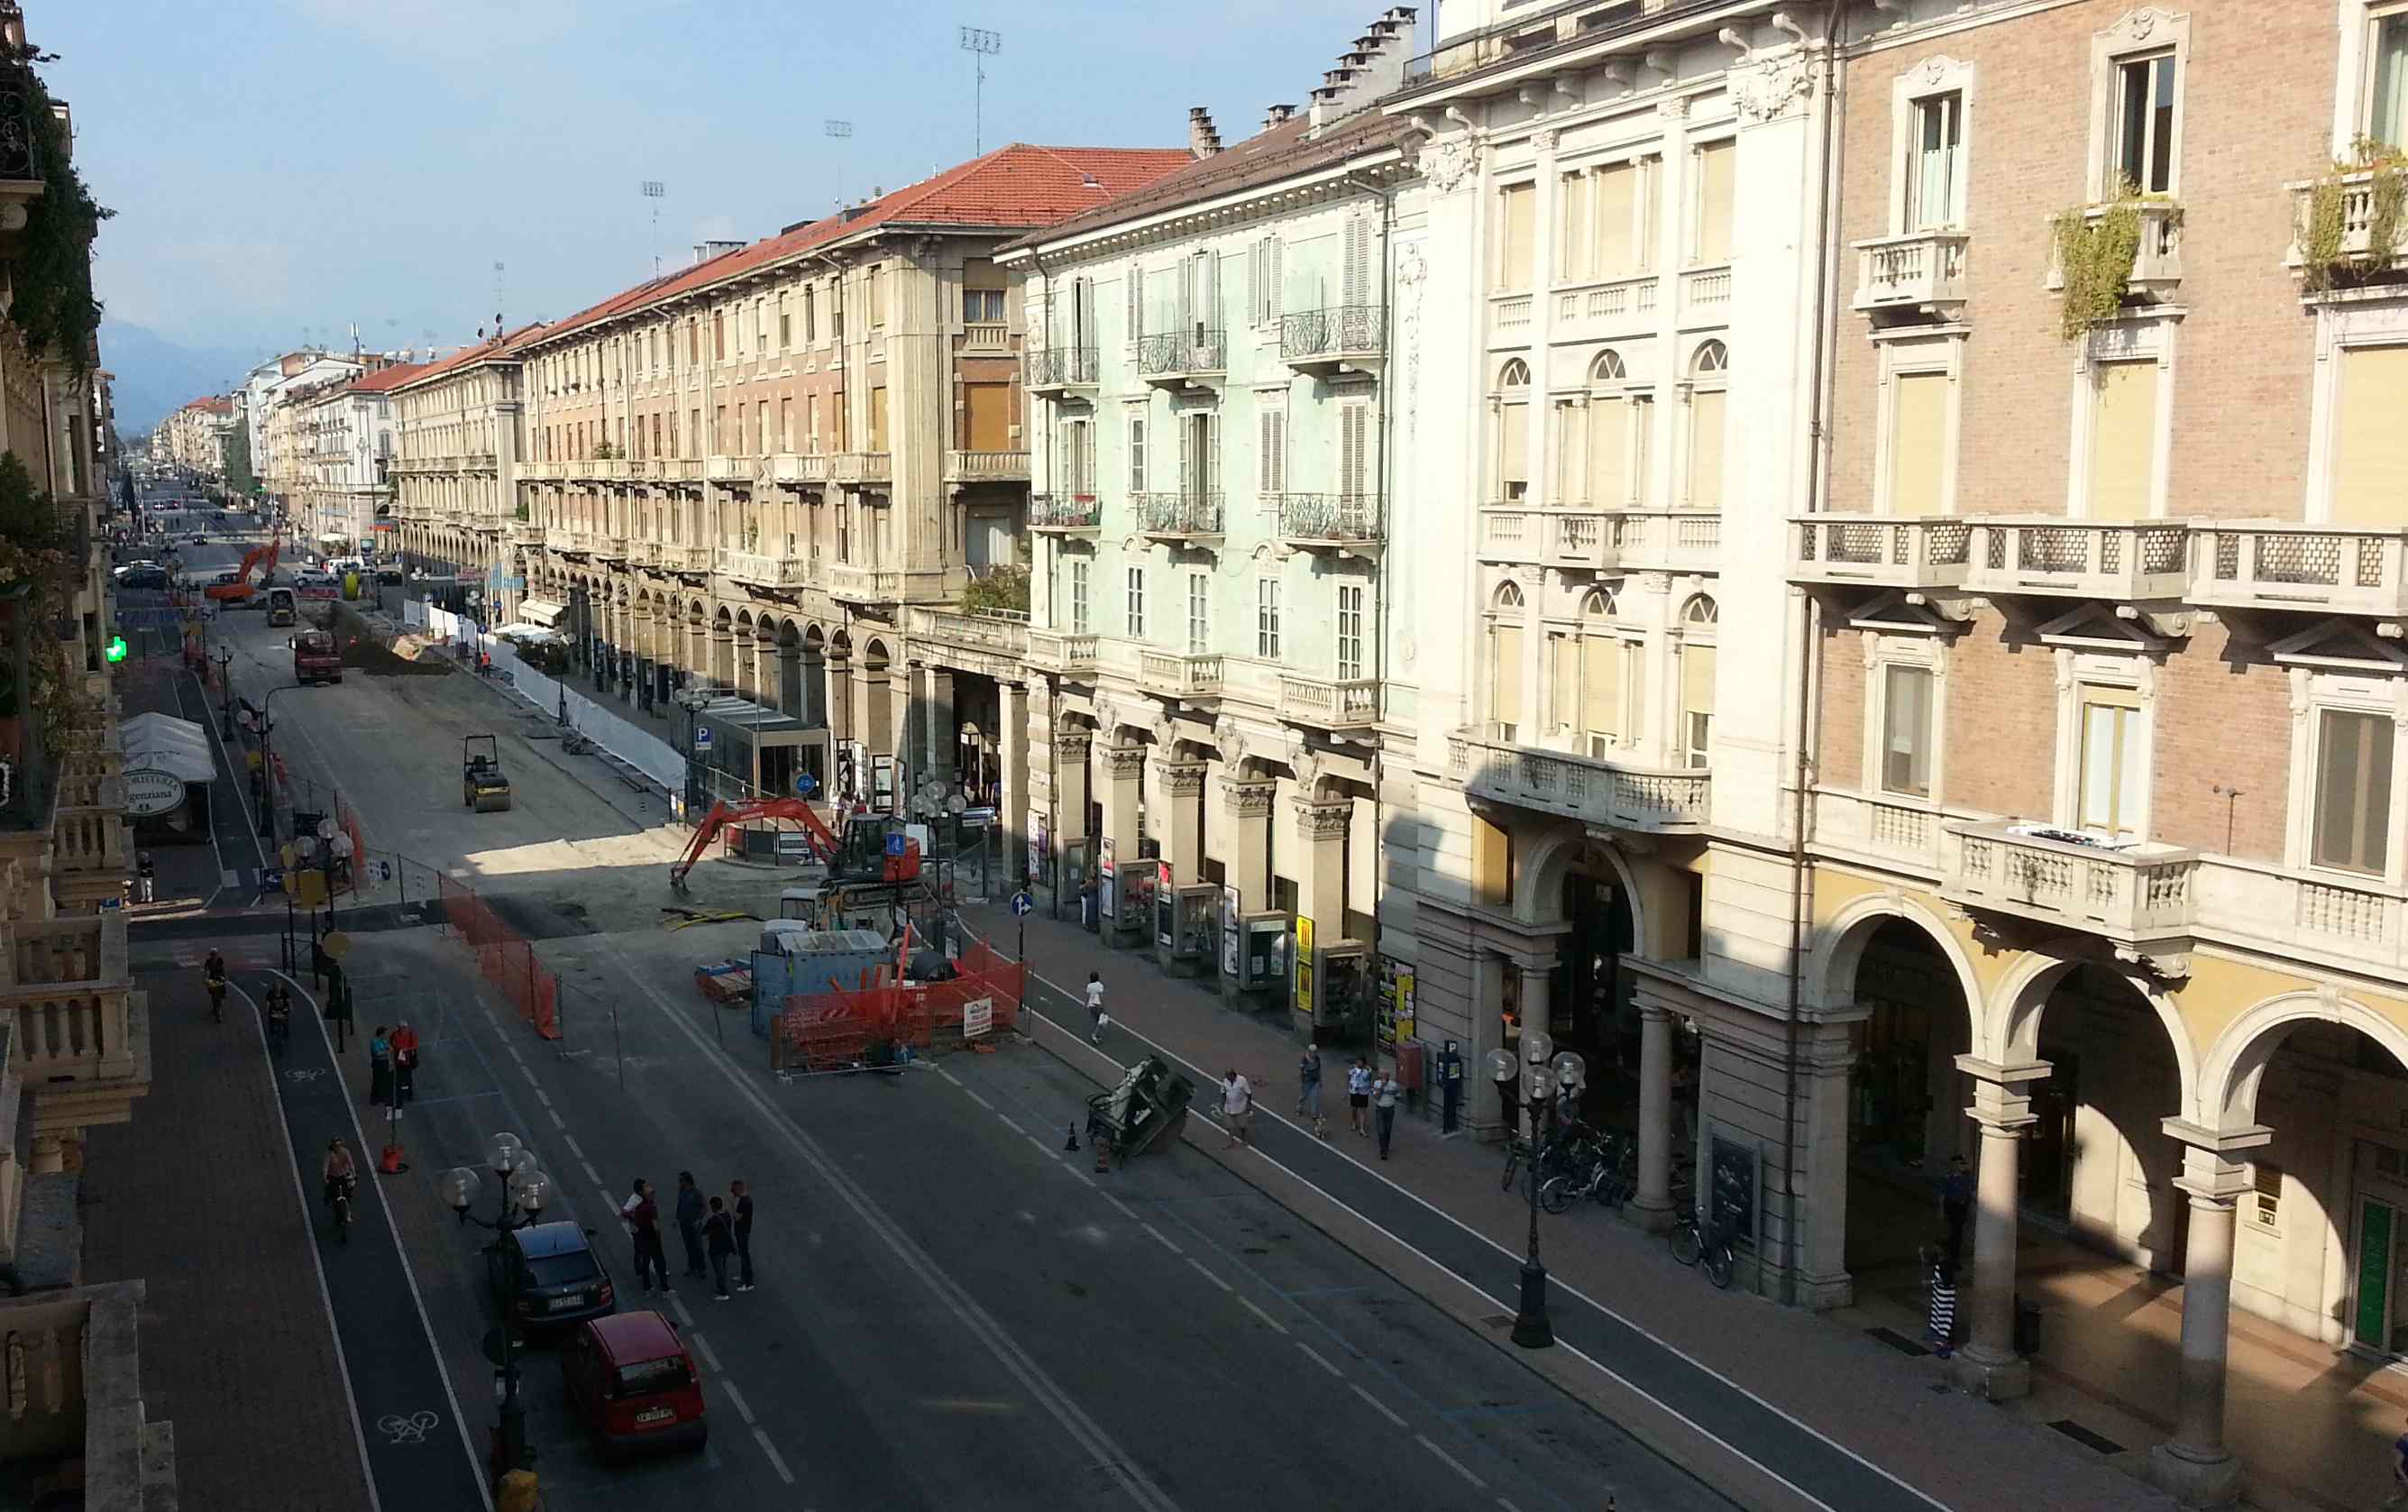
x=116 y=648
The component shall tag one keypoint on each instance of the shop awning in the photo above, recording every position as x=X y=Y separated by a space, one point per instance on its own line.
x=541 y=611
x=168 y=744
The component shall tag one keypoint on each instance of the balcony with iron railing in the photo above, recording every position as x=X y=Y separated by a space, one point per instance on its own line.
x=1174 y=359
x=2117 y=561
x=1918 y=272
x=761 y=569
x=1185 y=677
x=1051 y=371
x=1175 y=518
x=1613 y=794
x=986 y=466
x=1339 y=522
x=2318 y=568
x=1066 y=514
x=1881 y=551
x=1334 y=704
x=1333 y=339
x=2138 y=896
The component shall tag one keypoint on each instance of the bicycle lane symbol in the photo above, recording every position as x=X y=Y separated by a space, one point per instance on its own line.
x=410 y=1431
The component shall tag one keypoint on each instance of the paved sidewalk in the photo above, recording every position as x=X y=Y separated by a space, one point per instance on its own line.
x=1846 y=1414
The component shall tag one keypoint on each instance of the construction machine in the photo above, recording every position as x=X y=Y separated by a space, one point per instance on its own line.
x=874 y=848
x=263 y=557
x=482 y=785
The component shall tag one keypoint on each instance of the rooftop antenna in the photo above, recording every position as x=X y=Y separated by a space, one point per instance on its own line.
x=500 y=304
x=653 y=189
x=982 y=45
x=840 y=130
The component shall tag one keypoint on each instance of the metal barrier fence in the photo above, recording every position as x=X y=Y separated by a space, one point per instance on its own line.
x=504 y=957
x=824 y=1031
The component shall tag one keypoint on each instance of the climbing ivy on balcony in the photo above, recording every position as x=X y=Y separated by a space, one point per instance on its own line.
x=2095 y=247
x=34 y=552
x=2324 y=260
x=52 y=264
x=1005 y=588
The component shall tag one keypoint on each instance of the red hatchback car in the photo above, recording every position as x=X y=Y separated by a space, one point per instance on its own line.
x=632 y=1384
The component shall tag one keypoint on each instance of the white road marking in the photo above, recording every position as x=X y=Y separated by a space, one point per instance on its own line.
x=1451 y=1461
x=1377 y=1405
x=1508 y=1506
x=530 y=1076
x=1127 y=1212
x=1042 y=1149
x=556 y=1121
x=686 y=1317
x=1277 y=1326
x=1314 y=1355
x=1209 y=1277
x=776 y=1461
x=975 y=1098
x=1080 y=1175
x=744 y=1408
x=710 y=1356
x=595 y=1177
x=948 y=1076
x=1159 y=1237
x=1008 y=1123
x=543 y=1097
x=570 y=1140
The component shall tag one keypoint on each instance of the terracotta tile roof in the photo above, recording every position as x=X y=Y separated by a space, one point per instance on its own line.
x=492 y=346
x=1014 y=187
x=1283 y=151
x=387 y=379
x=212 y=405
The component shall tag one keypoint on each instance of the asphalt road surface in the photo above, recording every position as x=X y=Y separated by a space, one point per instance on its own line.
x=953 y=1311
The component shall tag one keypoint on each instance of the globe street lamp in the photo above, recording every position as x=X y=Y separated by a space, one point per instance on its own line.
x=1541 y=1082
x=522 y=1190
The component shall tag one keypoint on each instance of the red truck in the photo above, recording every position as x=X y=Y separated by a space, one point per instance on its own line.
x=315 y=658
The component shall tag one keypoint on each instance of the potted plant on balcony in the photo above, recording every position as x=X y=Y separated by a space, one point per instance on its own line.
x=2328 y=259
x=2094 y=249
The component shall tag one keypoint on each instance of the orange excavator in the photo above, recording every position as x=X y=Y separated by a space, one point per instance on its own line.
x=263 y=557
x=873 y=848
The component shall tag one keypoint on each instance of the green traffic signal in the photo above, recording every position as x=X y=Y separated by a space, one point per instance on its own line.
x=117 y=648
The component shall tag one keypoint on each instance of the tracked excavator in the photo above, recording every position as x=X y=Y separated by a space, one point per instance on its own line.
x=240 y=590
x=874 y=848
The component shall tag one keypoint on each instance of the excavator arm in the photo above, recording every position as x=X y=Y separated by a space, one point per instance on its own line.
x=259 y=556
x=823 y=841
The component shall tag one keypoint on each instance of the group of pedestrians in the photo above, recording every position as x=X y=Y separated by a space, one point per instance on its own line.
x=393 y=1065
x=717 y=1230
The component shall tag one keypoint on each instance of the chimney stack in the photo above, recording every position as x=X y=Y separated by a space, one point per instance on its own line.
x=1374 y=67
x=1278 y=115
x=1202 y=139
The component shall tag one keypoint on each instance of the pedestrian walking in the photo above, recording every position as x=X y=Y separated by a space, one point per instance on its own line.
x=1308 y=1089
x=642 y=1217
x=743 y=1235
x=146 y=880
x=1238 y=1107
x=719 y=1233
x=1358 y=1097
x=1943 y=1321
x=1383 y=1106
x=689 y=1221
x=405 y=1063
x=381 y=1067
x=1097 y=1017
x=1956 y=1205
x=2399 y=1497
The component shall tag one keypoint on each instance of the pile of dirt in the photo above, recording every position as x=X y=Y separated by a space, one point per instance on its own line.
x=408 y=656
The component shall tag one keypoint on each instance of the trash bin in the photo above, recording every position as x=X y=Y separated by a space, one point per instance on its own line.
x=2026 y=1327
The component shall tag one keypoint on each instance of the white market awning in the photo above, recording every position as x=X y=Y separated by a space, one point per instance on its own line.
x=164 y=744
x=541 y=611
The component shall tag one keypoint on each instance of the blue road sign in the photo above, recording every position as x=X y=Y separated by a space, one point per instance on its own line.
x=1021 y=902
x=895 y=844
x=806 y=784
x=702 y=737
x=271 y=878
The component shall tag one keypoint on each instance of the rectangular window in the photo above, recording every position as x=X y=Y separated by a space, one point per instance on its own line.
x=2113 y=762
x=2386 y=103
x=2144 y=124
x=1200 y=613
x=1516 y=209
x=694 y=429
x=761 y=428
x=1697 y=703
x=1563 y=701
x=2353 y=816
x=1717 y=185
x=814 y=402
x=718 y=430
x=1600 y=693
x=1136 y=618
x=2370 y=450
x=1918 y=428
x=1607 y=438
x=982 y=307
x=786 y=325
x=876 y=290
x=1270 y=453
x=1935 y=186
x=718 y=335
x=810 y=315
x=1575 y=225
x=986 y=414
x=878 y=417
x=1906 y=731
x=1137 y=455
x=1514 y=453
x=785 y=425
x=1617 y=197
x=1267 y=619
x=1505 y=680
x=1079 y=597
x=2123 y=439
x=1350 y=631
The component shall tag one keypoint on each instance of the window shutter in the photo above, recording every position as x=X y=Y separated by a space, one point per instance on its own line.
x=1696 y=680
x=1135 y=301
x=1083 y=313
x=1279 y=451
x=1186 y=460
x=1600 y=696
x=1265 y=474
x=1087 y=458
x=1211 y=453
x=1357 y=240
x=1505 y=674
x=1717 y=164
x=1275 y=297
x=1564 y=703
x=2369 y=445
x=1917 y=430
x=1352 y=431
x=2123 y=441
x=1706 y=450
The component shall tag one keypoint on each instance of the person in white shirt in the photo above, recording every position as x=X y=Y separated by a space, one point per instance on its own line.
x=1358 y=1097
x=1238 y=1106
x=1097 y=1017
x=1383 y=1106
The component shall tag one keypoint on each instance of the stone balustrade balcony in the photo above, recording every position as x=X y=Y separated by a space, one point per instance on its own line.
x=1881 y=551
x=1614 y=794
x=2139 y=896
x=1186 y=677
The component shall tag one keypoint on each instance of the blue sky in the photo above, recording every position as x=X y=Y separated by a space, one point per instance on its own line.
x=280 y=166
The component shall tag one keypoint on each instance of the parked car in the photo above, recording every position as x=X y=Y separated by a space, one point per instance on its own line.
x=632 y=1385
x=561 y=1279
x=142 y=577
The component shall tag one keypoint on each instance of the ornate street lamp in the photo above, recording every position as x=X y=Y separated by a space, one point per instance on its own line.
x=1545 y=1077
x=522 y=1190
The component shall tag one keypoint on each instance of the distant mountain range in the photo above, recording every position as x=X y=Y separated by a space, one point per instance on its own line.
x=156 y=377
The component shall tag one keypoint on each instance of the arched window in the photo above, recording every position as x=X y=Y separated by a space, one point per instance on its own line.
x=1505 y=630
x=1512 y=403
x=1698 y=621
x=1614 y=435
x=1708 y=385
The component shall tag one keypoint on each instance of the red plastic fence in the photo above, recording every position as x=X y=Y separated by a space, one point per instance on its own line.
x=503 y=956
x=823 y=1029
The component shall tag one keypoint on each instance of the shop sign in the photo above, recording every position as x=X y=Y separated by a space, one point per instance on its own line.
x=149 y=793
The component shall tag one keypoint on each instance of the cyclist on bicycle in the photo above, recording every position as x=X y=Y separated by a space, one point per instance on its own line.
x=340 y=1173
x=279 y=1011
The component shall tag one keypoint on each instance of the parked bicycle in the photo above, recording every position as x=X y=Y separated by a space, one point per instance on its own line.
x=1694 y=1240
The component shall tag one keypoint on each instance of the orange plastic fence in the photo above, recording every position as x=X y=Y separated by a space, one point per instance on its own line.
x=504 y=957
x=821 y=1030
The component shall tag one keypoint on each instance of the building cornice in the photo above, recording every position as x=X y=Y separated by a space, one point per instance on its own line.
x=1177 y=222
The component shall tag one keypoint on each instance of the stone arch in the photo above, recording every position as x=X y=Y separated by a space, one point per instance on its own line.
x=2229 y=1075
x=2009 y=1032
x=1539 y=880
x=1839 y=949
